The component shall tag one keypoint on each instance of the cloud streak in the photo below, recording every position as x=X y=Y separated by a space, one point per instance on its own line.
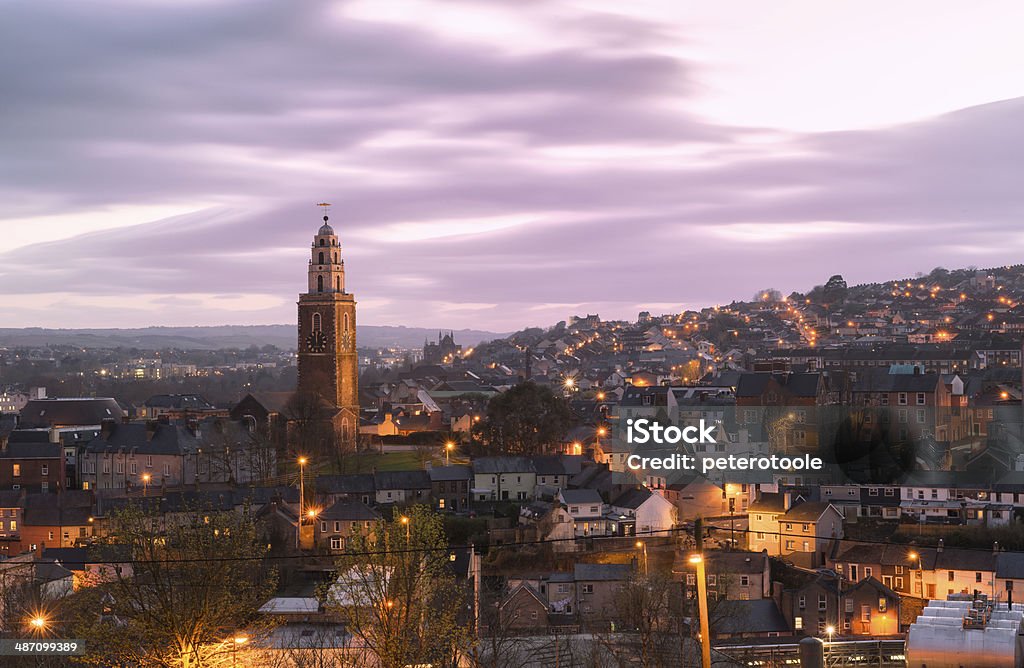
x=494 y=176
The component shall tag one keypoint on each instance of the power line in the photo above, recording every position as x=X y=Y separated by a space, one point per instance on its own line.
x=664 y=533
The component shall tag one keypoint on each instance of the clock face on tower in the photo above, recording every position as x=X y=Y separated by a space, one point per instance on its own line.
x=346 y=340
x=316 y=342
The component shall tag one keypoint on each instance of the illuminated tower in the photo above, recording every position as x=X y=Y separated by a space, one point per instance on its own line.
x=328 y=364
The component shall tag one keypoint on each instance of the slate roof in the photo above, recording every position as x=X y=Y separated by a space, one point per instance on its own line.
x=632 y=498
x=810 y=511
x=418 y=479
x=769 y=502
x=749 y=617
x=959 y=559
x=68 y=412
x=192 y=402
x=56 y=516
x=601 y=572
x=350 y=483
x=897 y=382
x=453 y=472
x=580 y=496
x=1010 y=565
x=495 y=465
x=350 y=511
x=22 y=450
x=797 y=384
x=10 y=498
x=145 y=439
x=76 y=558
x=558 y=464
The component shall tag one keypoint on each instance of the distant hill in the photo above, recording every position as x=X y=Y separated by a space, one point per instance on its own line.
x=226 y=336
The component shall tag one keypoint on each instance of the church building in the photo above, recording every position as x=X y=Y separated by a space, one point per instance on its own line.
x=328 y=363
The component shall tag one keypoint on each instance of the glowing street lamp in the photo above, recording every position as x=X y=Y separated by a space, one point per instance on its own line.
x=145 y=483
x=702 y=603
x=448 y=447
x=38 y=622
x=302 y=461
x=640 y=545
x=405 y=520
x=237 y=642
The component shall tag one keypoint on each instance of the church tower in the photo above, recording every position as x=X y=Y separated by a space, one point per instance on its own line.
x=328 y=364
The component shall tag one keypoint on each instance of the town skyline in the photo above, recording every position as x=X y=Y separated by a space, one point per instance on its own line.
x=501 y=170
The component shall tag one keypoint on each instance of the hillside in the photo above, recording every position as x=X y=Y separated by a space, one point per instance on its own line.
x=227 y=336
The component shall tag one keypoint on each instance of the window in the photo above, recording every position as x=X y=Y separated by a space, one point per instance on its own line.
x=798 y=623
x=867 y=571
x=167 y=469
x=120 y=467
x=952 y=576
x=337 y=542
x=14 y=525
x=337 y=526
x=865 y=613
x=822 y=602
x=790 y=545
x=899 y=570
x=744 y=580
x=806 y=528
x=803 y=602
x=977 y=577
x=45 y=486
x=317 y=322
x=899 y=583
x=323 y=527
x=920 y=416
x=713 y=580
x=133 y=468
x=149 y=461
x=882 y=604
x=563 y=589
x=901 y=398
x=873 y=491
x=588 y=589
x=45 y=470
x=889 y=491
x=17 y=470
x=691 y=579
x=902 y=415
x=920 y=398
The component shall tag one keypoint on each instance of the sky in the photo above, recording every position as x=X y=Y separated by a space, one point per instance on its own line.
x=495 y=164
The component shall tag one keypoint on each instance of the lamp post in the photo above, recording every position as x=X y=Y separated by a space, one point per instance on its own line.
x=145 y=483
x=640 y=545
x=830 y=631
x=408 y=535
x=702 y=603
x=302 y=496
x=448 y=447
x=237 y=642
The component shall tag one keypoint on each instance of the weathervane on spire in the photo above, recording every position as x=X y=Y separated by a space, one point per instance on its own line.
x=326 y=206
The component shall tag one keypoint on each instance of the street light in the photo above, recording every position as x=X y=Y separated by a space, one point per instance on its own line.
x=38 y=622
x=145 y=483
x=302 y=460
x=237 y=642
x=640 y=545
x=405 y=520
x=702 y=603
x=830 y=631
x=448 y=447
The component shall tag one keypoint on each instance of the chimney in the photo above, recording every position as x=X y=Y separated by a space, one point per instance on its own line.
x=938 y=548
x=787 y=501
x=107 y=426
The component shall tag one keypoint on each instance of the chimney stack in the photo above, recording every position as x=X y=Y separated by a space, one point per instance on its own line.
x=787 y=501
